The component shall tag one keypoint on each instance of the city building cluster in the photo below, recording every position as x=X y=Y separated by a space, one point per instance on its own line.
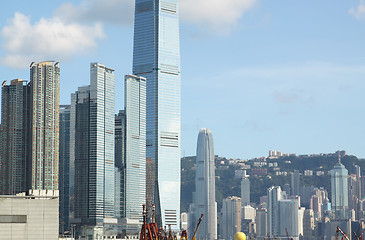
x=80 y=171
x=295 y=210
x=96 y=167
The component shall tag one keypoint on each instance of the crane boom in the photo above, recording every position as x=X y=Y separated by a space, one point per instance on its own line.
x=197 y=226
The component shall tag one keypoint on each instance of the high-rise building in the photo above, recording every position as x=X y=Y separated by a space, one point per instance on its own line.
x=150 y=184
x=358 y=179
x=80 y=118
x=157 y=58
x=261 y=224
x=284 y=215
x=248 y=219
x=135 y=146
x=230 y=220
x=120 y=139
x=355 y=192
x=119 y=164
x=295 y=183
x=64 y=168
x=289 y=218
x=274 y=195
x=353 y=200
x=205 y=186
x=44 y=125
x=245 y=191
x=14 y=99
x=94 y=107
x=339 y=190
x=308 y=224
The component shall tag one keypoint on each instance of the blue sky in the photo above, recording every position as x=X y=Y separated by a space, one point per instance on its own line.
x=261 y=74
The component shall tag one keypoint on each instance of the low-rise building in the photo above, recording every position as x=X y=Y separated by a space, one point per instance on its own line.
x=34 y=216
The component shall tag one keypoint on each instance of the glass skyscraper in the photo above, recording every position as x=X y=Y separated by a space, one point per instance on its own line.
x=274 y=195
x=94 y=147
x=135 y=148
x=157 y=58
x=205 y=186
x=64 y=168
x=119 y=164
x=339 y=190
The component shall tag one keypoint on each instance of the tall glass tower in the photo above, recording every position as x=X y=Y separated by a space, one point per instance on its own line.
x=339 y=190
x=205 y=186
x=156 y=57
x=94 y=147
x=64 y=168
x=135 y=146
x=119 y=164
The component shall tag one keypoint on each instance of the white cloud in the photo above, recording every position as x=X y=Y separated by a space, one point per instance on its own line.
x=46 y=39
x=358 y=12
x=217 y=14
x=75 y=29
x=118 y=12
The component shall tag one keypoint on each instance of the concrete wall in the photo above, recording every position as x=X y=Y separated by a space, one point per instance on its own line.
x=26 y=218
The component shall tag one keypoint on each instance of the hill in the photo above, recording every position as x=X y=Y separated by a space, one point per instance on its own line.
x=228 y=185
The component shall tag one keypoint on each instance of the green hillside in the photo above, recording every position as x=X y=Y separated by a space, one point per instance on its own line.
x=227 y=185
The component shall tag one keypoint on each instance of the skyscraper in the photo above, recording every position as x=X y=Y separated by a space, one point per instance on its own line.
x=261 y=223
x=43 y=133
x=119 y=164
x=274 y=195
x=358 y=181
x=30 y=122
x=157 y=58
x=289 y=217
x=339 y=190
x=295 y=183
x=135 y=148
x=94 y=147
x=308 y=224
x=230 y=220
x=205 y=186
x=14 y=99
x=245 y=191
x=64 y=169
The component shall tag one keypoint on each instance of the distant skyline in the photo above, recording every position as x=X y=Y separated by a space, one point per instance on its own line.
x=271 y=75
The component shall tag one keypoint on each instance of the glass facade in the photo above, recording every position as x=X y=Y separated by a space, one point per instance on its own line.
x=44 y=126
x=94 y=147
x=205 y=186
x=135 y=150
x=339 y=190
x=119 y=164
x=13 y=143
x=64 y=168
x=157 y=58
x=80 y=114
x=274 y=195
